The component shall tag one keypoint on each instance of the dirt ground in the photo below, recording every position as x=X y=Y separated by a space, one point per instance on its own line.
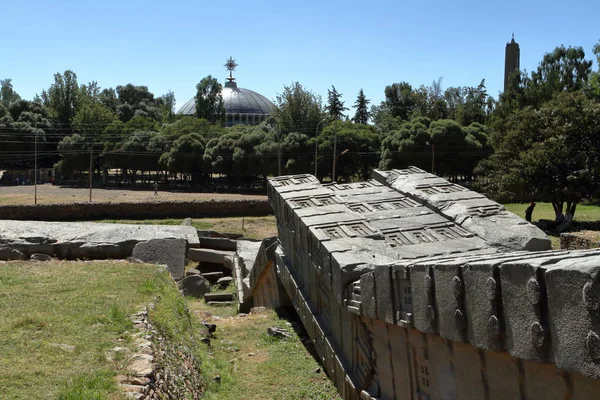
x=48 y=194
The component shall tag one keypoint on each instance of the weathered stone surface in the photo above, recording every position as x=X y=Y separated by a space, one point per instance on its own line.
x=187 y=222
x=163 y=251
x=212 y=277
x=40 y=257
x=90 y=240
x=573 y=306
x=416 y=290
x=218 y=297
x=141 y=364
x=225 y=281
x=7 y=253
x=219 y=243
x=211 y=256
x=192 y=271
x=194 y=285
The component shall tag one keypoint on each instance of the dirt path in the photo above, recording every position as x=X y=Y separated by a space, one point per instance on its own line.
x=48 y=194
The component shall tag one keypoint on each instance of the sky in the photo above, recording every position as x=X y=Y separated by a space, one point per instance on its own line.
x=172 y=45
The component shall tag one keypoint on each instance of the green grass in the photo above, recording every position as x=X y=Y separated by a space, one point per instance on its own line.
x=583 y=213
x=58 y=321
x=278 y=369
x=250 y=227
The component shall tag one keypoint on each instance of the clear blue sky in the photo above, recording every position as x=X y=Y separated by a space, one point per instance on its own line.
x=171 y=45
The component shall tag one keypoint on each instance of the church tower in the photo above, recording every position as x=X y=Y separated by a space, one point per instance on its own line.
x=511 y=60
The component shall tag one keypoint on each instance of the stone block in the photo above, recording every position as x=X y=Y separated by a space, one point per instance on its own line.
x=8 y=254
x=211 y=256
x=449 y=296
x=502 y=375
x=163 y=251
x=523 y=295
x=194 y=285
x=383 y=293
x=212 y=277
x=468 y=367
x=218 y=297
x=368 y=294
x=399 y=352
x=544 y=382
x=573 y=303
x=423 y=297
x=40 y=257
x=441 y=370
x=218 y=243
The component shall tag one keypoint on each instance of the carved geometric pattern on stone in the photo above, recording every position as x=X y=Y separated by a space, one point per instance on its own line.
x=293 y=180
x=359 y=208
x=485 y=211
x=440 y=188
x=353 y=299
x=346 y=229
x=315 y=201
x=334 y=232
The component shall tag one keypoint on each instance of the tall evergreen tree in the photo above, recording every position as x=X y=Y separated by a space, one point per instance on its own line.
x=362 y=114
x=335 y=106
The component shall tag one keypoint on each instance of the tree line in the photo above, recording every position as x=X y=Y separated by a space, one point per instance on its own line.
x=537 y=140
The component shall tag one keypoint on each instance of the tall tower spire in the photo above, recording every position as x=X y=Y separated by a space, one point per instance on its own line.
x=230 y=64
x=512 y=60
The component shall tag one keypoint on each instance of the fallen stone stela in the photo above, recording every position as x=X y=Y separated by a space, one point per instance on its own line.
x=412 y=287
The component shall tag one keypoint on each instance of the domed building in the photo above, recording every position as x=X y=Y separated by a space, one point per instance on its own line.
x=242 y=106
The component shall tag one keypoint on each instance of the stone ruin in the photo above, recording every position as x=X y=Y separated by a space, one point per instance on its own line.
x=412 y=287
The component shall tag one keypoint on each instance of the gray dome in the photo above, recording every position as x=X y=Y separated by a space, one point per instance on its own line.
x=241 y=106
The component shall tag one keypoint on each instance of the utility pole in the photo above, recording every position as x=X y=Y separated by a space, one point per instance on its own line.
x=317 y=143
x=334 y=153
x=91 y=170
x=35 y=169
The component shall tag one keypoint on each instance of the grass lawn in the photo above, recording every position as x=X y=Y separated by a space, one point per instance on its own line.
x=59 y=319
x=264 y=367
x=253 y=227
x=583 y=213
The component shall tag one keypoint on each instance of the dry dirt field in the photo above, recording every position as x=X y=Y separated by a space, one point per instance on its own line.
x=48 y=194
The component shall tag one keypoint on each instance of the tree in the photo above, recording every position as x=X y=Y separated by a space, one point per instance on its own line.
x=167 y=105
x=63 y=98
x=399 y=100
x=91 y=120
x=550 y=153
x=7 y=94
x=335 y=106
x=209 y=100
x=361 y=143
x=362 y=114
x=185 y=156
x=298 y=110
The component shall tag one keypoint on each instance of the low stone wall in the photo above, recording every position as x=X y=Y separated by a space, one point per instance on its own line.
x=136 y=210
x=579 y=240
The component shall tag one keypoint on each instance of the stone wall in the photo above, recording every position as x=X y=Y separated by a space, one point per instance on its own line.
x=579 y=240
x=135 y=210
x=414 y=288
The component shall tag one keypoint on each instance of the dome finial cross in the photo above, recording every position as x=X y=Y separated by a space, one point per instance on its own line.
x=230 y=64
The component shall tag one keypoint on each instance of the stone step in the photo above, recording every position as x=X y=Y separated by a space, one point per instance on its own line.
x=212 y=256
x=212 y=277
x=355 y=296
x=225 y=281
x=220 y=303
x=216 y=243
x=353 y=303
x=218 y=297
